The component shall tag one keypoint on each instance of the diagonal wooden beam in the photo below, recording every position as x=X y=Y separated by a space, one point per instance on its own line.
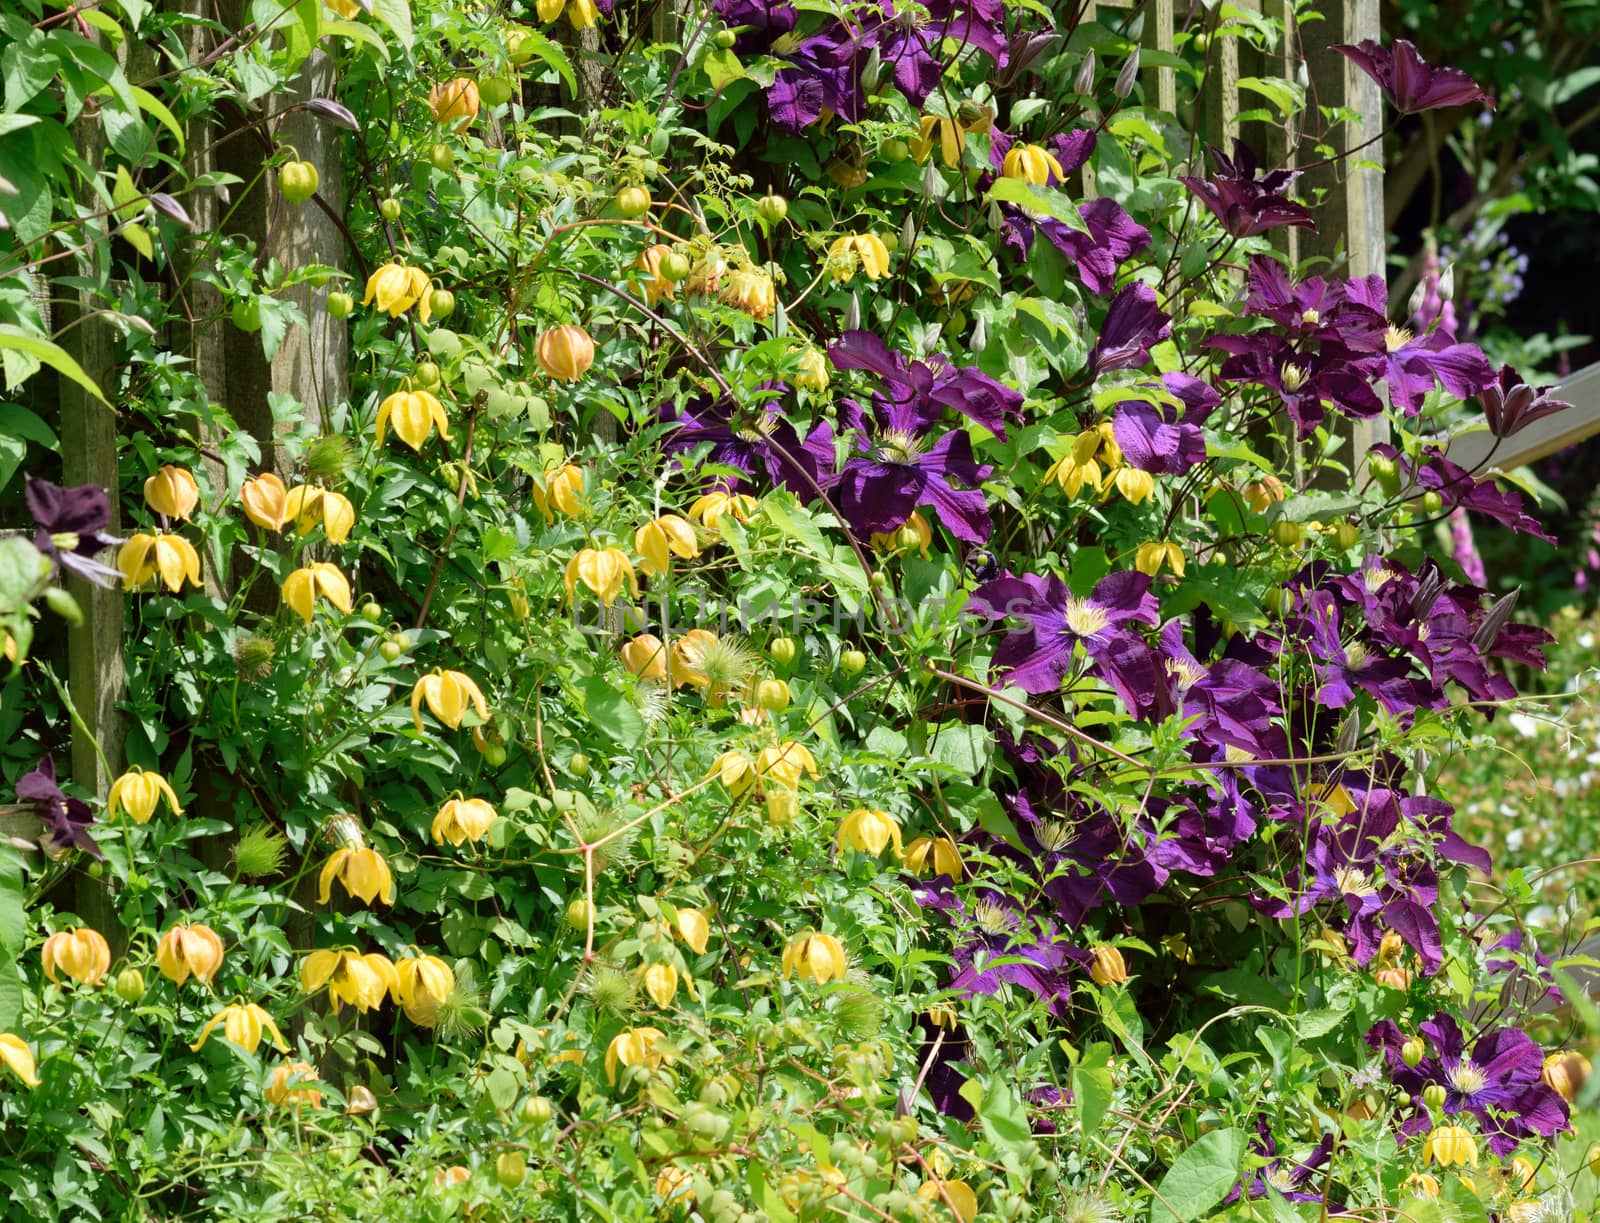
x=1542 y=438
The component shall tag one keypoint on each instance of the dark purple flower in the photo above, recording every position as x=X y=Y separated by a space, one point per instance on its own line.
x=1413 y=365
x=920 y=384
x=759 y=22
x=1510 y=404
x=1247 y=203
x=1431 y=471
x=1154 y=438
x=1304 y=381
x=1133 y=324
x=1097 y=251
x=1497 y=1080
x=1408 y=81
x=71 y=524
x=68 y=819
x=1288 y=1180
x=753 y=441
x=1038 y=657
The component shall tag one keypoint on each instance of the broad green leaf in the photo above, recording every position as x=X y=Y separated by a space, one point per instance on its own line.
x=1046 y=201
x=155 y=106
x=1093 y=1087
x=13 y=921
x=396 y=14
x=1199 y=1178
x=18 y=427
x=1288 y=96
x=138 y=237
x=53 y=355
x=611 y=711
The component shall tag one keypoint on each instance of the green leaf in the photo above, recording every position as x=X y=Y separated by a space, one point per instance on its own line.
x=723 y=67
x=396 y=14
x=22 y=568
x=53 y=355
x=18 y=427
x=964 y=747
x=1200 y=1178
x=503 y=1088
x=13 y=921
x=1093 y=1087
x=551 y=54
x=1057 y=205
x=138 y=237
x=10 y=994
x=1288 y=96
x=152 y=104
x=611 y=711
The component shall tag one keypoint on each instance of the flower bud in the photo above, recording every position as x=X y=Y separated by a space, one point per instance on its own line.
x=1084 y=81
x=172 y=492
x=772 y=695
x=1413 y=1051
x=536 y=1110
x=1565 y=1073
x=565 y=353
x=1107 y=966
x=129 y=985
x=781 y=650
x=1125 y=78
x=510 y=1168
x=1433 y=1095
x=852 y=662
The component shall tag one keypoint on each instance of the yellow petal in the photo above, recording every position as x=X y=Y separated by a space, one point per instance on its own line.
x=14 y=1052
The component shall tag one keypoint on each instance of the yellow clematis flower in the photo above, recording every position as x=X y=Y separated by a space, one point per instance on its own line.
x=455 y=103
x=646 y=657
x=853 y=251
x=750 y=289
x=689 y=658
x=1420 y=1184
x=1565 y=1073
x=448 y=694
x=583 y=14
x=144 y=556
x=186 y=951
x=306 y=506
x=870 y=831
x=14 y=1052
x=957 y=1194
x=396 y=287
x=661 y=984
x=301 y=588
x=289 y=1084
x=634 y=1047
x=565 y=353
x=1106 y=965
x=813 y=375
x=658 y=288
x=360 y=980
x=561 y=489
x=1135 y=485
x=363 y=872
x=138 y=793
x=784 y=763
x=736 y=771
x=693 y=929
x=79 y=952
x=709 y=509
x=265 y=501
x=934 y=856
x=1032 y=164
x=815 y=957
x=172 y=492
x=424 y=982
x=243 y=1024
x=413 y=415
x=604 y=571
x=1150 y=557
x=1449 y=1144
x=462 y=819
x=659 y=541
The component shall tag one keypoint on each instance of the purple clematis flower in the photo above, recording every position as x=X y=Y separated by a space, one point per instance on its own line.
x=1413 y=365
x=1098 y=251
x=1038 y=657
x=924 y=384
x=1289 y=1180
x=72 y=524
x=1133 y=325
x=1431 y=471
x=1305 y=382
x=1409 y=82
x=753 y=441
x=1245 y=201
x=1510 y=404
x=1154 y=438
x=68 y=819
x=1497 y=1080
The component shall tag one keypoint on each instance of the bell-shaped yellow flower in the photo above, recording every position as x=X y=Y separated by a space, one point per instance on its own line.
x=1150 y=557
x=448 y=693
x=1079 y=466
x=462 y=819
x=172 y=492
x=301 y=588
x=689 y=658
x=265 y=501
x=1420 y=1184
x=396 y=287
x=661 y=984
x=138 y=794
x=424 y=982
x=646 y=657
x=604 y=571
x=561 y=489
x=1135 y=485
x=1449 y=1144
x=413 y=415
x=14 y=1052
x=1106 y=965
x=144 y=556
x=634 y=1047
x=307 y=506
x=582 y=14
x=815 y=957
x=751 y=289
x=658 y=287
x=782 y=807
x=948 y=134
x=1565 y=1073
x=289 y=1083
x=957 y=1194
x=814 y=369
x=659 y=541
x=869 y=831
x=360 y=980
x=189 y=951
x=455 y=103
x=852 y=252
x=934 y=856
x=565 y=353
x=1032 y=164
x=79 y=952
x=693 y=929
x=363 y=872
x=784 y=763
x=243 y=1024
x=709 y=509
x=736 y=771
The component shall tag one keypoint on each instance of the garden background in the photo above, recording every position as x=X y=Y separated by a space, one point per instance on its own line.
x=771 y=611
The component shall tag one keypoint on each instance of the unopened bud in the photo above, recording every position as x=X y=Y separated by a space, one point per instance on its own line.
x=908 y=233
x=1447 y=282
x=1084 y=81
x=1413 y=1051
x=852 y=314
x=932 y=181
x=1434 y=1095
x=1419 y=295
x=980 y=335
x=130 y=985
x=1125 y=78
x=873 y=72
